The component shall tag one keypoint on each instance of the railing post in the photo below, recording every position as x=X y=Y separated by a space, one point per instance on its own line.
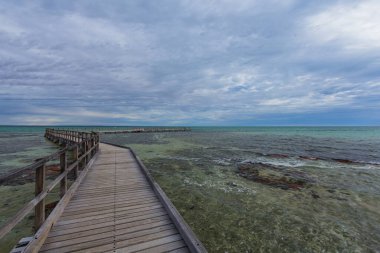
x=88 y=156
x=76 y=153
x=63 y=165
x=39 y=210
x=92 y=145
x=84 y=152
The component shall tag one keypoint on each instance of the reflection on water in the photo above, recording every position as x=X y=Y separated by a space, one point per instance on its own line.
x=338 y=210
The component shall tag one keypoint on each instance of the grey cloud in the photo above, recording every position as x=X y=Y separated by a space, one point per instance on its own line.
x=178 y=62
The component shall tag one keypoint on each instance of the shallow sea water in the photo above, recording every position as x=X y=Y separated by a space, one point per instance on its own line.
x=340 y=212
x=20 y=149
x=229 y=213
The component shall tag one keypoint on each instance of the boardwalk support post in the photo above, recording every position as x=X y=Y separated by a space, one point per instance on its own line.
x=76 y=154
x=39 y=210
x=63 y=166
x=84 y=152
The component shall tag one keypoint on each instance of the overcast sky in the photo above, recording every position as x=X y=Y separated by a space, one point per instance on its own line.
x=190 y=62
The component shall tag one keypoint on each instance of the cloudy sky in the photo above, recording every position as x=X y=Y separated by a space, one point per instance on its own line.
x=190 y=62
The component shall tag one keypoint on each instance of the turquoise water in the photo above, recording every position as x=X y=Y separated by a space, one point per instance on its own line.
x=20 y=145
x=357 y=133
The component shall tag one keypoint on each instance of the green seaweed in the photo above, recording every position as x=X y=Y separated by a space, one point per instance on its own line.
x=13 y=198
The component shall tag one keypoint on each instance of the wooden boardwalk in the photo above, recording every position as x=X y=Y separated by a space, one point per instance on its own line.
x=112 y=205
x=114 y=209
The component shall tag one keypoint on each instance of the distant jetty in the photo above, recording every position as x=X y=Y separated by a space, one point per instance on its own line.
x=147 y=130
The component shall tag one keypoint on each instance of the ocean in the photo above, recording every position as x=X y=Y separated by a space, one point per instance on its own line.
x=245 y=189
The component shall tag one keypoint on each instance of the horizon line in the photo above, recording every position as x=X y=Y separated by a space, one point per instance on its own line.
x=69 y=125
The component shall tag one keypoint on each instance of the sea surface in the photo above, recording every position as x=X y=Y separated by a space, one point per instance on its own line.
x=253 y=189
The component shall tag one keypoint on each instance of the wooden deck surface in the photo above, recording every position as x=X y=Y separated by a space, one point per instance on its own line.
x=114 y=210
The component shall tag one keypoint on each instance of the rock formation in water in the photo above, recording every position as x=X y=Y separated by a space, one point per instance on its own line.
x=274 y=176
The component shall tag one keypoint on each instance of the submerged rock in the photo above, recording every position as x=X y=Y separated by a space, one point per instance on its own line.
x=274 y=176
x=346 y=161
x=308 y=158
x=314 y=194
x=222 y=162
x=231 y=184
x=278 y=155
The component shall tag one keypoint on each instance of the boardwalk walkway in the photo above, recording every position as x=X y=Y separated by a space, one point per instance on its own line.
x=114 y=209
x=113 y=204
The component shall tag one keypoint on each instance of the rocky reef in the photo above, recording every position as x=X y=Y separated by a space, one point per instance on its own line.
x=278 y=177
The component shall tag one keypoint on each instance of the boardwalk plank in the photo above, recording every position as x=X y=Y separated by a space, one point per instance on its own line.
x=112 y=215
x=112 y=223
x=150 y=244
x=106 y=220
x=177 y=246
x=94 y=213
x=108 y=205
x=162 y=220
x=104 y=238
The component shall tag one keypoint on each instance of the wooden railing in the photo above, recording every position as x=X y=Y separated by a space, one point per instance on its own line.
x=84 y=146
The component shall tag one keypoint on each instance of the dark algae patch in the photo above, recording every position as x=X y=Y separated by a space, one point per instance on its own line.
x=274 y=176
x=239 y=197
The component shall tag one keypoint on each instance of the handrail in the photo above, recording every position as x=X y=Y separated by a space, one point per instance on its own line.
x=84 y=145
